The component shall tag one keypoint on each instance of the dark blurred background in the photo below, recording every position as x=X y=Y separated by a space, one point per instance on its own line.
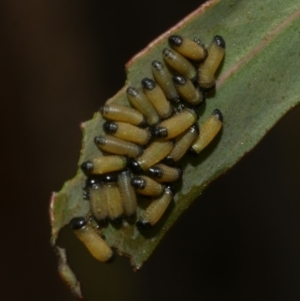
x=59 y=61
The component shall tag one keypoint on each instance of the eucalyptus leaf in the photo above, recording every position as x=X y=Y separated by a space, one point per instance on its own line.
x=257 y=85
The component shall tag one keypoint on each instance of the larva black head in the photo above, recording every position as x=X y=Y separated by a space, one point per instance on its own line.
x=157 y=65
x=148 y=84
x=86 y=195
x=143 y=225
x=169 y=160
x=110 y=127
x=117 y=220
x=170 y=189
x=125 y=172
x=100 y=140
x=138 y=183
x=93 y=182
x=77 y=223
x=194 y=110
x=198 y=41
x=87 y=166
x=220 y=41
x=158 y=132
x=132 y=91
x=110 y=178
x=180 y=172
x=175 y=40
x=179 y=80
x=218 y=114
x=134 y=166
x=194 y=128
x=168 y=53
x=155 y=172
x=180 y=107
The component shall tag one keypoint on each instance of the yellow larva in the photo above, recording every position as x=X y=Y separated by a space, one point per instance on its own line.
x=164 y=173
x=175 y=125
x=157 y=97
x=104 y=164
x=208 y=68
x=118 y=146
x=192 y=49
x=127 y=193
x=182 y=144
x=127 y=132
x=117 y=112
x=156 y=209
x=91 y=239
x=98 y=200
x=113 y=197
x=179 y=63
x=140 y=102
x=163 y=78
x=146 y=186
x=188 y=91
x=153 y=154
x=208 y=131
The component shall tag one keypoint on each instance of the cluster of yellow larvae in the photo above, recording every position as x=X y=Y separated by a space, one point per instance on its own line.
x=144 y=141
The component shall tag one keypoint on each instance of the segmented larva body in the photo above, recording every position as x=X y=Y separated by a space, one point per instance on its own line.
x=144 y=141
x=91 y=239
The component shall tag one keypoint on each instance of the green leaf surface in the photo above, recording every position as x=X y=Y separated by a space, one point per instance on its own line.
x=257 y=84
